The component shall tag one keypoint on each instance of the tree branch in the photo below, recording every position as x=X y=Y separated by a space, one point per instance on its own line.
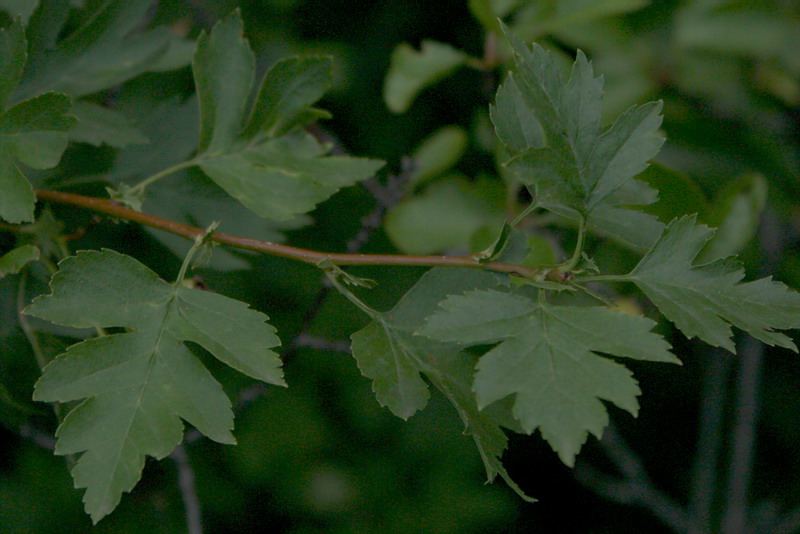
x=194 y=518
x=635 y=488
x=299 y=254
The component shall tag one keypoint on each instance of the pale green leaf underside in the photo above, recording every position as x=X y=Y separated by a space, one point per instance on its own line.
x=139 y=385
x=704 y=300
x=548 y=359
x=411 y=71
x=388 y=352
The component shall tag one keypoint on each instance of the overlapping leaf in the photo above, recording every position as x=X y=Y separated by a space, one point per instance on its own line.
x=32 y=132
x=98 y=125
x=548 y=360
x=552 y=130
x=388 y=352
x=705 y=300
x=258 y=158
x=140 y=384
x=102 y=53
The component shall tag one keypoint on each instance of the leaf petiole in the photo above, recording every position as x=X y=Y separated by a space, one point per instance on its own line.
x=199 y=242
x=139 y=188
x=334 y=276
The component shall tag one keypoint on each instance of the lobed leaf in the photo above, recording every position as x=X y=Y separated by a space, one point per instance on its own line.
x=285 y=176
x=140 y=384
x=704 y=300
x=32 y=131
x=547 y=358
x=98 y=125
x=102 y=53
x=266 y=164
x=388 y=352
x=575 y=168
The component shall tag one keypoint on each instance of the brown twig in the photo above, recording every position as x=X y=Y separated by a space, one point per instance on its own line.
x=299 y=254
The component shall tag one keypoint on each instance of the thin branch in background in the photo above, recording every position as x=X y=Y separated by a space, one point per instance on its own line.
x=789 y=523
x=186 y=483
x=320 y=343
x=39 y=437
x=735 y=515
x=635 y=487
x=718 y=364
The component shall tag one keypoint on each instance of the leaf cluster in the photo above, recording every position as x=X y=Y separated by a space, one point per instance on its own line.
x=543 y=349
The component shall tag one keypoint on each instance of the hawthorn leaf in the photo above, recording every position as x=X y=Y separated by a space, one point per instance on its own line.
x=104 y=52
x=32 y=131
x=411 y=71
x=286 y=176
x=547 y=358
x=269 y=164
x=13 y=261
x=387 y=358
x=736 y=214
x=287 y=91
x=388 y=352
x=514 y=121
x=138 y=385
x=12 y=59
x=224 y=70
x=704 y=300
x=98 y=125
x=573 y=167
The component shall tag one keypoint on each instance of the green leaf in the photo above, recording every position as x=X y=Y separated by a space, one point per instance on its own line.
x=102 y=53
x=513 y=119
x=287 y=91
x=437 y=153
x=389 y=360
x=704 y=300
x=98 y=125
x=736 y=214
x=388 y=352
x=32 y=131
x=274 y=172
x=12 y=59
x=23 y=8
x=12 y=262
x=224 y=70
x=444 y=216
x=411 y=71
x=488 y=11
x=140 y=384
x=539 y=18
x=547 y=358
x=572 y=167
x=286 y=176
